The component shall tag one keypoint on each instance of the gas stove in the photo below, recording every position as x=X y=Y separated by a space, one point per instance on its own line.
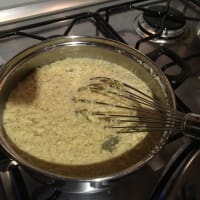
x=166 y=31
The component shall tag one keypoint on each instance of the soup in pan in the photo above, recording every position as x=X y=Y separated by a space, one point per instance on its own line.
x=43 y=125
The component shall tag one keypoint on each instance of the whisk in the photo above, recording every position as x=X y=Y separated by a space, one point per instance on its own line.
x=141 y=112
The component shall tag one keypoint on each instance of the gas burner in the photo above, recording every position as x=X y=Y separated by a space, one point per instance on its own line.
x=150 y=23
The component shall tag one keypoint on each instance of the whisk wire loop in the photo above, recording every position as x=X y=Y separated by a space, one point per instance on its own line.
x=149 y=113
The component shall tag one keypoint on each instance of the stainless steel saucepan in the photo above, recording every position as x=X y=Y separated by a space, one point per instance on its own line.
x=59 y=48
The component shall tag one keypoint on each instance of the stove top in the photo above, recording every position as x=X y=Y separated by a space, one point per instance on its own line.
x=173 y=30
x=166 y=31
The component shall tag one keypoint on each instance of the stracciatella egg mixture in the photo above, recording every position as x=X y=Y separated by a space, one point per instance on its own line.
x=42 y=124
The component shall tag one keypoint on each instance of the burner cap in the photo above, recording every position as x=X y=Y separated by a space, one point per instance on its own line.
x=150 y=24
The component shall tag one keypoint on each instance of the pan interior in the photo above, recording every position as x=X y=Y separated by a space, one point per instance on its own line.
x=28 y=63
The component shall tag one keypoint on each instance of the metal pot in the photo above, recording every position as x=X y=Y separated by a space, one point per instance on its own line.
x=59 y=48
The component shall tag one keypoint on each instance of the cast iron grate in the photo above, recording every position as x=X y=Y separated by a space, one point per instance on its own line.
x=100 y=19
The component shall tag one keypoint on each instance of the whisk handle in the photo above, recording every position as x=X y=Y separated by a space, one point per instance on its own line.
x=191 y=125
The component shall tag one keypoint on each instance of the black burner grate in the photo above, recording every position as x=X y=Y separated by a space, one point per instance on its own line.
x=101 y=20
x=155 y=21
